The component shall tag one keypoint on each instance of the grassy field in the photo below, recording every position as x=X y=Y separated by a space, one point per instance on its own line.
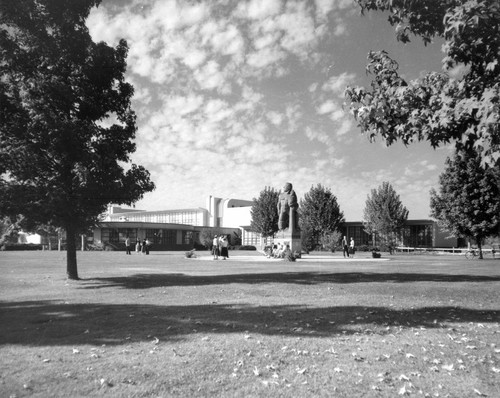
x=163 y=325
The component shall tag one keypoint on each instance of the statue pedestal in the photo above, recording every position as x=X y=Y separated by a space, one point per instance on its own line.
x=286 y=237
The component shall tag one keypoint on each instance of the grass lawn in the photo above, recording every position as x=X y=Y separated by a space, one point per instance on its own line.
x=163 y=325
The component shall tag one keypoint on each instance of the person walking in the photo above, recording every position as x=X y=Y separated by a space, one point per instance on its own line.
x=345 y=247
x=127 y=244
x=215 y=247
x=138 y=246
x=352 y=249
x=224 y=252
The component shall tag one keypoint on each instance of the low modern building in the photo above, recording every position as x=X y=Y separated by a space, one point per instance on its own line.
x=416 y=234
x=180 y=229
x=177 y=229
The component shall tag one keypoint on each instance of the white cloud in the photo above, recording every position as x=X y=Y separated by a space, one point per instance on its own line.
x=258 y=9
x=337 y=84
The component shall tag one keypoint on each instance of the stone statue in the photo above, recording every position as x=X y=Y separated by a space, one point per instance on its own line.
x=287 y=209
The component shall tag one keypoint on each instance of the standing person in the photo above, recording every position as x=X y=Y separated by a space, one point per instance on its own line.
x=345 y=248
x=143 y=249
x=147 y=243
x=138 y=246
x=224 y=247
x=127 y=244
x=352 y=249
x=215 y=247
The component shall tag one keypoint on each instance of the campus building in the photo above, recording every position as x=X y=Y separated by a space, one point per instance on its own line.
x=177 y=229
x=180 y=229
x=415 y=234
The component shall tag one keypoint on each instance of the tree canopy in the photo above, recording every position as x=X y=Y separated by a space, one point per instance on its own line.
x=468 y=201
x=320 y=214
x=459 y=104
x=67 y=128
x=264 y=212
x=384 y=213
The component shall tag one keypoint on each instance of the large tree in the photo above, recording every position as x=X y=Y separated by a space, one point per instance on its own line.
x=264 y=212
x=320 y=215
x=468 y=201
x=384 y=213
x=459 y=104
x=67 y=128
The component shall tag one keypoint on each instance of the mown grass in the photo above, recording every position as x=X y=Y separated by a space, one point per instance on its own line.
x=163 y=325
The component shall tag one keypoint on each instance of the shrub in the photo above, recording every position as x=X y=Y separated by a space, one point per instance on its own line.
x=21 y=246
x=247 y=247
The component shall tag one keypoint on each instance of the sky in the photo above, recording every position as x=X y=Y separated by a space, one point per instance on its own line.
x=232 y=97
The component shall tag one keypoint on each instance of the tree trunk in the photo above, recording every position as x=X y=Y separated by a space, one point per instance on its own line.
x=71 y=266
x=479 y=248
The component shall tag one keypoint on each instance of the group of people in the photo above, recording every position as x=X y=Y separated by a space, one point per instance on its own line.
x=140 y=247
x=279 y=251
x=220 y=247
x=348 y=250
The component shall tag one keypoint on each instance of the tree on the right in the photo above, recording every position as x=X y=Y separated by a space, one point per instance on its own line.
x=468 y=201
x=459 y=104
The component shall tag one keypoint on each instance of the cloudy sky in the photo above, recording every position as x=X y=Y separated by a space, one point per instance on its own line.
x=234 y=96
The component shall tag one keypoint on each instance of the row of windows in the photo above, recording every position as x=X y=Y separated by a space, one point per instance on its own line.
x=162 y=237
x=411 y=235
x=184 y=217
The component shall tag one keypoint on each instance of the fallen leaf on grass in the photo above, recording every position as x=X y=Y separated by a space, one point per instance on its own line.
x=410 y=355
x=256 y=371
x=156 y=340
x=46 y=360
x=106 y=383
x=301 y=371
x=76 y=351
x=449 y=367
x=404 y=377
x=479 y=393
x=337 y=370
x=496 y=370
x=403 y=391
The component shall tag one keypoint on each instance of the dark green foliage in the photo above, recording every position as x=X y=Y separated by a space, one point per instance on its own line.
x=61 y=163
x=468 y=201
x=460 y=104
x=207 y=236
x=320 y=215
x=247 y=247
x=384 y=213
x=265 y=212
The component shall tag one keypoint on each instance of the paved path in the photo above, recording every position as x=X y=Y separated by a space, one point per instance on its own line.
x=305 y=258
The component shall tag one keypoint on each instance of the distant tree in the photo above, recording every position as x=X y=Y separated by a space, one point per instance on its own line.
x=320 y=214
x=264 y=213
x=207 y=236
x=330 y=240
x=384 y=214
x=9 y=230
x=67 y=127
x=468 y=201
x=460 y=104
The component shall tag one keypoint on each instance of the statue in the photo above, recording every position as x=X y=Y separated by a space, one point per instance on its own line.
x=287 y=209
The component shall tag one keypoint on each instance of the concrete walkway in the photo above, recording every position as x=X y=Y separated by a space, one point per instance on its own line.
x=305 y=258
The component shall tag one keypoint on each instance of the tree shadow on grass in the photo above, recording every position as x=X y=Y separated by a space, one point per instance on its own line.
x=47 y=323
x=145 y=281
